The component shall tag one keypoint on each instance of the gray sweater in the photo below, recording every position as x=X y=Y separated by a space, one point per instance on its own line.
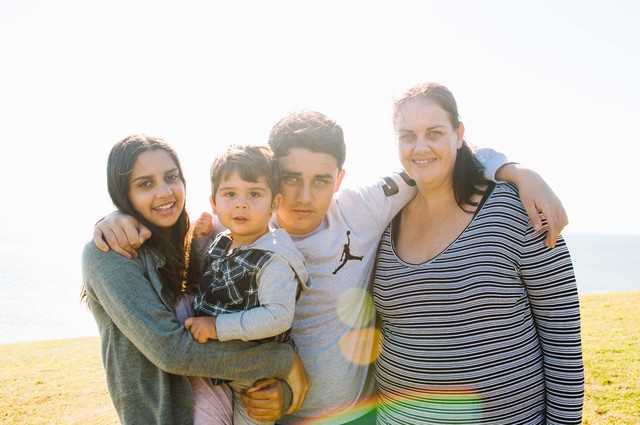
x=145 y=350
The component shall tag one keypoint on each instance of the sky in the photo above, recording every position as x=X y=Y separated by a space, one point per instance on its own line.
x=552 y=84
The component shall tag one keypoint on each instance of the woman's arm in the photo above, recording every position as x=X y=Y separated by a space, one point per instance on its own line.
x=119 y=289
x=551 y=288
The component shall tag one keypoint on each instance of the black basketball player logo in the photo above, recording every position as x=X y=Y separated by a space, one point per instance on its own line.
x=346 y=254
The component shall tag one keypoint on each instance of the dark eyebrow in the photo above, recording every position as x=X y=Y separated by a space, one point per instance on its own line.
x=140 y=178
x=428 y=129
x=173 y=170
x=297 y=174
x=292 y=173
x=252 y=188
x=324 y=176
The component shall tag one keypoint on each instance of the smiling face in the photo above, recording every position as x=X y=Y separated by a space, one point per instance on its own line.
x=156 y=190
x=427 y=142
x=308 y=181
x=244 y=207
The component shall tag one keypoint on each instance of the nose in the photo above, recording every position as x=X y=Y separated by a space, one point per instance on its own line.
x=422 y=144
x=241 y=203
x=304 y=194
x=164 y=190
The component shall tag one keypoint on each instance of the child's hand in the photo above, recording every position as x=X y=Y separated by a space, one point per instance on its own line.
x=202 y=328
x=203 y=226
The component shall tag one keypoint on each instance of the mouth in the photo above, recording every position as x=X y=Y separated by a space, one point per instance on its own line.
x=164 y=207
x=302 y=212
x=240 y=219
x=423 y=162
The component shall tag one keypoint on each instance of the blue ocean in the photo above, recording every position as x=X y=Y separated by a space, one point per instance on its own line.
x=41 y=281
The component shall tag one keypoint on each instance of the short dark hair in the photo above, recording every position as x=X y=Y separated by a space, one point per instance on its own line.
x=468 y=173
x=251 y=162
x=310 y=130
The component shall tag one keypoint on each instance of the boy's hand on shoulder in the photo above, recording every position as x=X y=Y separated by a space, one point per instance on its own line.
x=121 y=233
x=203 y=226
x=538 y=199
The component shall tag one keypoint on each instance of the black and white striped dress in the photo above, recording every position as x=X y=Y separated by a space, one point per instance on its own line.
x=487 y=332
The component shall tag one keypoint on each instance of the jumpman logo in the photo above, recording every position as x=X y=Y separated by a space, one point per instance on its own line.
x=346 y=254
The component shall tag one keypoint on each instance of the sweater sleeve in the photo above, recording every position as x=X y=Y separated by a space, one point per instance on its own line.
x=277 y=286
x=122 y=294
x=551 y=288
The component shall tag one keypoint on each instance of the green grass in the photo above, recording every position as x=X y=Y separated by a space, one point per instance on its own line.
x=611 y=346
x=62 y=381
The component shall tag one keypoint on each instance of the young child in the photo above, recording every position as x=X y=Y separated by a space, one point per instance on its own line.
x=251 y=275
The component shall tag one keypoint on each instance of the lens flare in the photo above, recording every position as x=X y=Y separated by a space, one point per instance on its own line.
x=360 y=346
x=433 y=406
x=355 y=308
x=364 y=406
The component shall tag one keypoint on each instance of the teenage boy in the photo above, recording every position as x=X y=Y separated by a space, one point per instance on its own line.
x=338 y=233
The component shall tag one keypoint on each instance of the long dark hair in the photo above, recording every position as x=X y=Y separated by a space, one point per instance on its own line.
x=468 y=172
x=171 y=244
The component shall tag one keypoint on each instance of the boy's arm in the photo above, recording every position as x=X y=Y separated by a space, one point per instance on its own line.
x=125 y=235
x=277 y=286
x=120 y=232
x=536 y=196
x=538 y=199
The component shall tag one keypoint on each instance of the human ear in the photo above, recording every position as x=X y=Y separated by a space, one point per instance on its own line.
x=276 y=202
x=213 y=205
x=460 y=135
x=339 y=180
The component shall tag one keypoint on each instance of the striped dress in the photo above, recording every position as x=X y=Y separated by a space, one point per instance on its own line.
x=487 y=332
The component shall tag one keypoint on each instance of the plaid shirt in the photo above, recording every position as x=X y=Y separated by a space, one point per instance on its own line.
x=229 y=283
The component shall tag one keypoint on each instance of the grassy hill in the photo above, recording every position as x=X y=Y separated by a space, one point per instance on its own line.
x=62 y=381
